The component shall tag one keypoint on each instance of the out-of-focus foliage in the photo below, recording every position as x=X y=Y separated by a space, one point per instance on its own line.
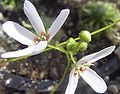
x=95 y=15
x=11 y=4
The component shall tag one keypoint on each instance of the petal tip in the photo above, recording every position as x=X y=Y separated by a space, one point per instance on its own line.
x=2 y=56
x=67 y=11
x=26 y=2
x=103 y=90
x=112 y=48
x=5 y=25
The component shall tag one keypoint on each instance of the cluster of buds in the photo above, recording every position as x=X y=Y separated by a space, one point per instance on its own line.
x=74 y=47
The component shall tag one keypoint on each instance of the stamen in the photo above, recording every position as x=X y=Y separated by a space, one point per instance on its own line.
x=42 y=34
x=82 y=69
x=36 y=41
x=43 y=37
x=40 y=38
x=91 y=64
x=75 y=72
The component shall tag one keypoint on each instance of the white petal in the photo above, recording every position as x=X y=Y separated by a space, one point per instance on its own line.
x=72 y=85
x=19 y=33
x=33 y=17
x=39 y=48
x=94 y=80
x=58 y=23
x=32 y=50
x=96 y=56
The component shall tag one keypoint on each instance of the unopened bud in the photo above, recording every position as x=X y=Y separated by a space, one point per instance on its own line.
x=83 y=46
x=72 y=46
x=85 y=36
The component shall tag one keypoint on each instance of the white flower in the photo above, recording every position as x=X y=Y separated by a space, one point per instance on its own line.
x=36 y=44
x=90 y=76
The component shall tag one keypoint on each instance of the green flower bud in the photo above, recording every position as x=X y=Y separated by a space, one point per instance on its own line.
x=83 y=46
x=85 y=36
x=72 y=46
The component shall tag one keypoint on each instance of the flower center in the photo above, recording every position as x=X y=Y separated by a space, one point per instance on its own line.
x=80 y=69
x=42 y=37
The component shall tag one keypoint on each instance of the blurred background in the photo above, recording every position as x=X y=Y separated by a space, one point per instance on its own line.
x=40 y=73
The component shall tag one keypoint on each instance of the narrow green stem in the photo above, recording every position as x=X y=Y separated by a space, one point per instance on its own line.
x=64 y=74
x=47 y=49
x=93 y=33
x=57 y=48
x=72 y=58
x=77 y=38
x=104 y=28
x=63 y=43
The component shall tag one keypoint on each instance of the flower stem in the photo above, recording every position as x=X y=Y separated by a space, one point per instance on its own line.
x=72 y=58
x=93 y=33
x=63 y=43
x=104 y=28
x=57 y=48
x=64 y=74
x=47 y=49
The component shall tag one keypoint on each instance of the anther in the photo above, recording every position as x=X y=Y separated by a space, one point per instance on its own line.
x=75 y=74
x=82 y=69
x=36 y=41
x=44 y=37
